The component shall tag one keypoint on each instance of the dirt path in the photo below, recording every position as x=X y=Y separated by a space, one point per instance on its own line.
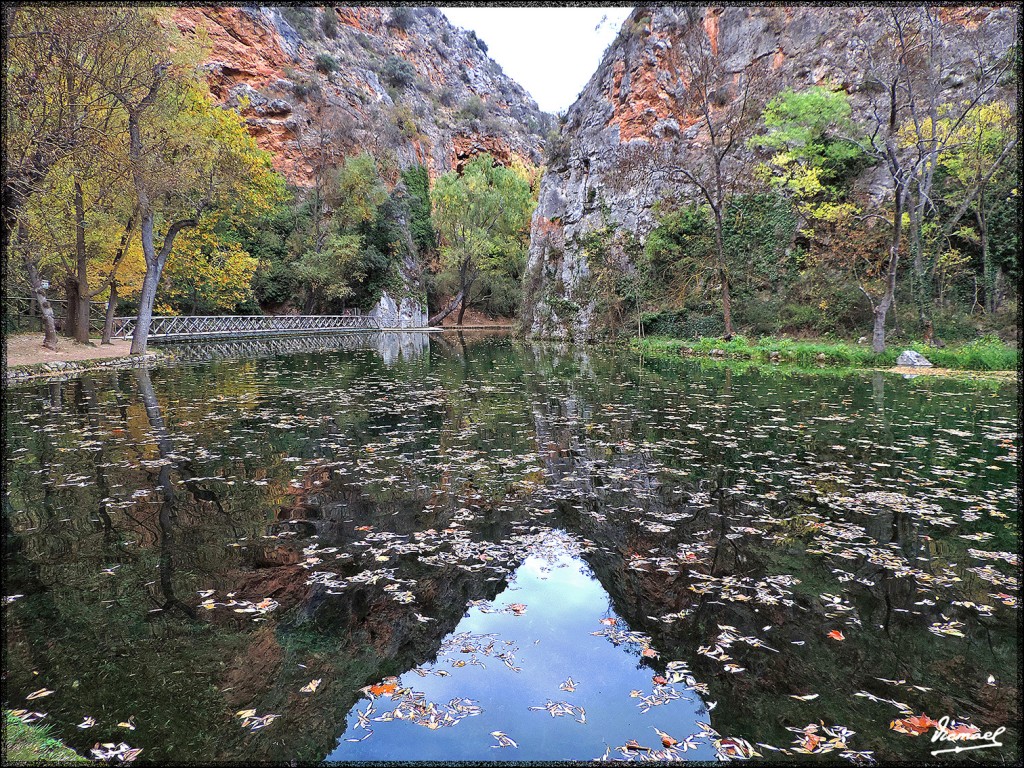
x=27 y=348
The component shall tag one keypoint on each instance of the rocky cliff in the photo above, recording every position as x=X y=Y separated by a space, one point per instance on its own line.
x=401 y=82
x=633 y=100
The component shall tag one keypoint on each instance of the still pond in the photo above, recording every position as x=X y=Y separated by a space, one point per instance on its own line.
x=457 y=548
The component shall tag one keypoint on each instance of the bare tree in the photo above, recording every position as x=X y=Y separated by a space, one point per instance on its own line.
x=911 y=122
x=719 y=109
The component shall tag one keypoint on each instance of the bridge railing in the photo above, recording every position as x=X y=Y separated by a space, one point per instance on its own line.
x=209 y=326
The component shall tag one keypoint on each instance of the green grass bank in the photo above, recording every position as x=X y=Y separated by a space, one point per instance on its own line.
x=985 y=354
x=34 y=744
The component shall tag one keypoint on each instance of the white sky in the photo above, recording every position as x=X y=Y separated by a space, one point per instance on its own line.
x=551 y=52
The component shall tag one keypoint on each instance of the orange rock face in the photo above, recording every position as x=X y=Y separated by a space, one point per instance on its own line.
x=250 y=53
x=465 y=148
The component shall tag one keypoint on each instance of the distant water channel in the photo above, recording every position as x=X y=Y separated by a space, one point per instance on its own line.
x=460 y=547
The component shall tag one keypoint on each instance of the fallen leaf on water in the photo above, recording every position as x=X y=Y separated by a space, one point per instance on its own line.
x=517 y=608
x=914 y=726
x=129 y=724
x=503 y=740
x=808 y=697
x=569 y=685
x=39 y=694
x=88 y=722
x=659 y=680
x=649 y=653
x=311 y=686
x=387 y=686
x=609 y=622
x=243 y=713
x=666 y=740
x=835 y=634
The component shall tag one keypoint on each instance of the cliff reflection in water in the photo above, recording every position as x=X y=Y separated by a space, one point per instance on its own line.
x=206 y=539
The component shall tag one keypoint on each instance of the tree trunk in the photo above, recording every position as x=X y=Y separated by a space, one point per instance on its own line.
x=987 y=268
x=80 y=310
x=72 y=317
x=452 y=305
x=723 y=273
x=36 y=283
x=108 y=319
x=882 y=309
x=140 y=337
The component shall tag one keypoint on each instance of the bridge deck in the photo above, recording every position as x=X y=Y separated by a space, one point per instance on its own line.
x=206 y=327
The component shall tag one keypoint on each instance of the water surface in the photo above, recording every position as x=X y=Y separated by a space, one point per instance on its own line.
x=397 y=549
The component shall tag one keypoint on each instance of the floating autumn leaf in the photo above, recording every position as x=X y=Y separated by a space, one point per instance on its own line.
x=503 y=740
x=129 y=724
x=38 y=694
x=649 y=653
x=914 y=726
x=808 y=697
x=835 y=634
x=384 y=688
x=244 y=713
x=88 y=722
x=569 y=685
x=517 y=608
x=955 y=730
x=666 y=740
x=634 y=745
x=734 y=748
x=609 y=621
x=311 y=686
x=659 y=680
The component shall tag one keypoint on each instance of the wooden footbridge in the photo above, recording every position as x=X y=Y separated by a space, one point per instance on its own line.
x=206 y=327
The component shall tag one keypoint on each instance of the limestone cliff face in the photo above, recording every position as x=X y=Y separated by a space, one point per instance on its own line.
x=632 y=99
x=400 y=82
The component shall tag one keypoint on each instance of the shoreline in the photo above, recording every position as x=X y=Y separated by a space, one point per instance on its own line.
x=819 y=355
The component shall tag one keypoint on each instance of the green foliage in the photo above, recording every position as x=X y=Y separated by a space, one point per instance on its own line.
x=482 y=219
x=398 y=72
x=325 y=63
x=271 y=240
x=403 y=17
x=331 y=269
x=759 y=229
x=302 y=19
x=477 y=41
x=357 y=192
x=421 y=224
x=34 y=744
x=473 y=108
x=813 y=158
x=329 y=23
x=985 y=354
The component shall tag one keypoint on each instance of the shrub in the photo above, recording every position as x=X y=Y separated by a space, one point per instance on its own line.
x=324 y=62
x=473 y=108
x=403 y=17
x=329 y=23
x=302 y=19
x=398 y=72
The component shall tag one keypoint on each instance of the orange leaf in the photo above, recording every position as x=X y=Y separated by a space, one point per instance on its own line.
x=835 y=634
x=659 y=680
x=914 y=726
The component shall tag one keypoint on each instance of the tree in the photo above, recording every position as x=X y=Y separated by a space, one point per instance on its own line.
x=811 y=160
x=974 y=161
x=724 y=107
x=482 y=219
x=50 y=66
x=333 y=264
x=908 y=107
